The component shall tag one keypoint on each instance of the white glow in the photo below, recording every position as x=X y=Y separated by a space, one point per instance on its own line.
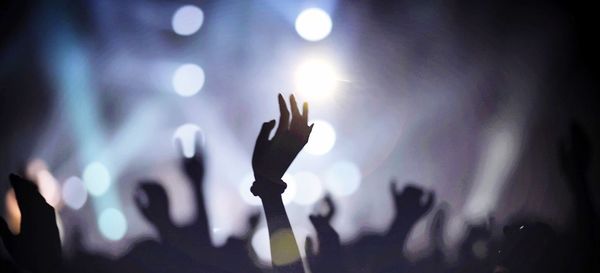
x=322 y=138
x=188 y=79
x=313 y=24
x=311 y=190
x=96 y=178
x=287 y=196
x=112 y=224
x=48 y=187
x=187 y=134
x=316 y=79
x=74 y=193
x=187 y=20
x=342 y=178
x=260 y=244
x=498 y=160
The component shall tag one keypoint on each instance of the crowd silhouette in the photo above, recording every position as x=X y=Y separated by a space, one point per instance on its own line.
x=526 y=245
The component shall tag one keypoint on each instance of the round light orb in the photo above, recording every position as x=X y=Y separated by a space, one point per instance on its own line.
x=112 y=224
x=322 y=138
x=313 y=24
x=260 y=244
x=187 y=20
x=49 y=188
x=96 y=178
x=316 y=79
x=188 y=79
x=290 y=190
x=311 y=190
x=188 y=134
x=342 y=178
x=73 y=193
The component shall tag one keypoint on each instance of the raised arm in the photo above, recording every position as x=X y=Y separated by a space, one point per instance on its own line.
x=270 y=161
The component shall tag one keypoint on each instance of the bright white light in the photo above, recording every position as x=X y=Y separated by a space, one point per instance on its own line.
x=48 y=187
x=74 y=193
x=313 y=24
x=112 y=224
x=311 y=190
x=188 y=79
x=287 y=196
x=187 y=20
x=187 y=134
x=96 y=178
x=260 y=244
x=321 y=139
x=316 y=79
x=342 y=178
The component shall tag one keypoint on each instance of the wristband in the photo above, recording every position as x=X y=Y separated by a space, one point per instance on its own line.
x=267 y=187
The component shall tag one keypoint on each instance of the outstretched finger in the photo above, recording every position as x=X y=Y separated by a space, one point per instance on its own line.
x=284 y=116
x=294 y=106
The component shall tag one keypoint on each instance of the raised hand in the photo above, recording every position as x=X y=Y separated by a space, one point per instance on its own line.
x=152 y=201
x=411 y=204
x=330 y=249
x=37 y=247
x=271 y=158
x=194 y=168
x=328 y=237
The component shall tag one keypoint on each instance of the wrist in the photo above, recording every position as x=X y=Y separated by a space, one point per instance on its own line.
x=268 y=188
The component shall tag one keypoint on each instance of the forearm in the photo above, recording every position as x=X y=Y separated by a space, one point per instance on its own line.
x=285 y=254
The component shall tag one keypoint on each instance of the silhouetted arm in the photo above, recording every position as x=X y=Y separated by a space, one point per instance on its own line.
x=329 y=258
x=409 y=209
x=37 y=247
x=270 y=160
x=194 y=169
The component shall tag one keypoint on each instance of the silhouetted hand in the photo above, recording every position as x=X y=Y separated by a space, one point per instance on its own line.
x=152 y=201
x=271 y=158
x=37 y=247
x=193 y=166
x=412 y=202
x=328 y=237
x=330 y=249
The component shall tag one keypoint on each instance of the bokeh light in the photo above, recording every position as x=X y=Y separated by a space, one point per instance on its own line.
x=313 y=24
x=342 y=178
x=310 y=191
x=13 y=213
x=188 y=134
x=49 y=188
x=322 y=138
x=74 y=193
x=260 y=244
x=112 y=224
x=96 y=178
x=188 y=79
x=315 y=79
x=187 y=20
